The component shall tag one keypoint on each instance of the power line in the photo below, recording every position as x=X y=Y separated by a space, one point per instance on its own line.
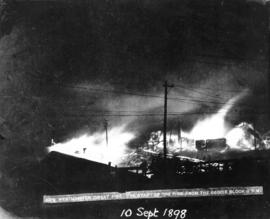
x=195 y=91
x=181 y=85
x=200 y=88
x=148 y=95
x=189 y=100
x=211 y=89
x=160 y=114
x=148 y=111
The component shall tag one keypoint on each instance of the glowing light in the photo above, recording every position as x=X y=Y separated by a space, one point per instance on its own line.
x=239 y=139
x=174 y=144
x=93 y=147
x=211 y=127
x=214 y=126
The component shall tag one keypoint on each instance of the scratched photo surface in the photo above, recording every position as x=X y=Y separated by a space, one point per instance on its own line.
x=134 y=101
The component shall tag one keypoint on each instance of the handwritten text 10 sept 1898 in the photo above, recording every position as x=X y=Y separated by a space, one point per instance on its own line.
x=154 y=213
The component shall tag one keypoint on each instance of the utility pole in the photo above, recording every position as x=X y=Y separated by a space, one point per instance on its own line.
x=166 y=86
x=179 y=134
x=106 y=130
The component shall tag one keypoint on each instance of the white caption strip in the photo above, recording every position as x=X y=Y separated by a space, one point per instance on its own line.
x=149 y=194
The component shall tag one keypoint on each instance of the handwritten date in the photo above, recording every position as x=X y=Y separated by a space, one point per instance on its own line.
x=155 y=213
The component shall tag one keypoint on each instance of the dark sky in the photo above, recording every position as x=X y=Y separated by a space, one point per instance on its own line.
x=66 y=66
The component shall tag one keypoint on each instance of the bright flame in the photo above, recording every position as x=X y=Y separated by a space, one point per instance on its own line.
x=94 y=147
x=239 y=138
x=174 y=143
x=214 y=126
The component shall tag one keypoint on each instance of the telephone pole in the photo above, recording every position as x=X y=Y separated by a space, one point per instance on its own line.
x=166 y=86
x=179 y=134
x=106 y=130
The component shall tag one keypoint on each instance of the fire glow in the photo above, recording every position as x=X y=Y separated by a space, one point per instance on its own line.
x=211 y=127
x=94 y=147
x=214 y=126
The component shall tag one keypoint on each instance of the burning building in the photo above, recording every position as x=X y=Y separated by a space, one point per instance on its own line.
x=211 y=148
x=210 y=135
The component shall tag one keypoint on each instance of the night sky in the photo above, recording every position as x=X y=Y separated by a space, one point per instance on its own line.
x=66 y=66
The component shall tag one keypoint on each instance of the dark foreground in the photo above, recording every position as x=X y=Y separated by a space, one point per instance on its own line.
x=237 y=207
x=65 y=175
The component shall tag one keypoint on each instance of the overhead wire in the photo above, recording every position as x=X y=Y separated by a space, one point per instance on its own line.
x=189 y=100
x=212 y=89
x=160 y=114
x=196 y=91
